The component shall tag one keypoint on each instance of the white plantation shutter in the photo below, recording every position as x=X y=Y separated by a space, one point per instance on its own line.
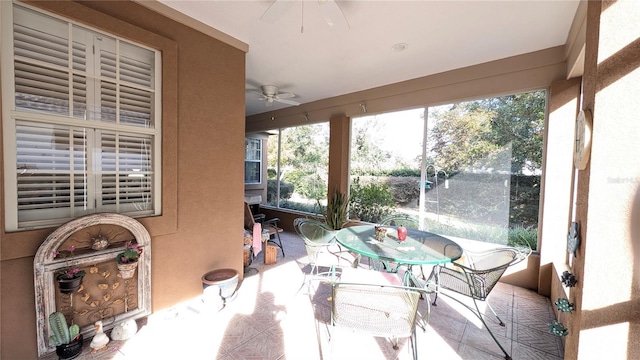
x=86 y=131
x=51 y=164
x=126 y=172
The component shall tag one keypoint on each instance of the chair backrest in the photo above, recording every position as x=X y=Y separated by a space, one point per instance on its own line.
x=248 y=217
x=378 y=310
x=313 y=231
x=486 y=268
x=398 y=219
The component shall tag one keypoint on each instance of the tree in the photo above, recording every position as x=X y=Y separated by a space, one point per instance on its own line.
x=519 y=119
x=366 y=155
x=462 y=137
x=304 y=157
x=470 y=133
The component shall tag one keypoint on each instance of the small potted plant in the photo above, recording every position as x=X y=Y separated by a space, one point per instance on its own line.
x=70 y=278
x=128 y=259
x=66 y=339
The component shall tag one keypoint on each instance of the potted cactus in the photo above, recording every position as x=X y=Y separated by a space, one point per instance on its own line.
x=66 y=339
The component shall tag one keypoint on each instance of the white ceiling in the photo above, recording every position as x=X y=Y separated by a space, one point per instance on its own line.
x=324 y=61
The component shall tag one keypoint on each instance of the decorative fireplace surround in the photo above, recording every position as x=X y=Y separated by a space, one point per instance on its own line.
x=104 y=294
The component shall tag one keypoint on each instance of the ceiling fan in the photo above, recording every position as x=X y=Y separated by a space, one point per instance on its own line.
x=270 y=93
x=331 y=12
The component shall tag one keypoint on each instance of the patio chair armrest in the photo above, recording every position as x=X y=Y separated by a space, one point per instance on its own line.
x=259 y=217
x=273 y=221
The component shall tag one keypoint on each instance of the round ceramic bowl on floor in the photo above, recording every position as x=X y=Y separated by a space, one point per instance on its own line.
x=226 y=282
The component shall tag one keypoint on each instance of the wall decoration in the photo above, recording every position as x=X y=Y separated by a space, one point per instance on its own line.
x=558 y=329
x=568 y=279
x=104 y=294
x=573 y=238
x=564 y=305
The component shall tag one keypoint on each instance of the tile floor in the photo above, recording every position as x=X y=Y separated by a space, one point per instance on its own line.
x=273 y=318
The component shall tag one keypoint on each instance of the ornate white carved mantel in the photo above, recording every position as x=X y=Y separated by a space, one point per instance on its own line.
x=104 y=294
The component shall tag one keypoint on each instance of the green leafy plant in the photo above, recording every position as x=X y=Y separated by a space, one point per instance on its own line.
x=337 y=210
x=62 y=333
x=523 y=236
x=370 y=202
x=130 y=254
x=70 y=272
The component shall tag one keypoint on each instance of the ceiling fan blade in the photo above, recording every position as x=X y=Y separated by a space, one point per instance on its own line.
x=285 y=101
x=286 y=95
x=332 y=13
x=276 y=10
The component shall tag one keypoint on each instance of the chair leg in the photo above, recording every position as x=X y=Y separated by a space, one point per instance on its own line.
x=479 y=315
x=494 y=313
x=414 y=344
x=436 y=271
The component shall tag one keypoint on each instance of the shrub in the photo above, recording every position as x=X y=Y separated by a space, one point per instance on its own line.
x=405 y=172
x=286 y=189
x=370 y=202
x=304 y=207
x=524 y=236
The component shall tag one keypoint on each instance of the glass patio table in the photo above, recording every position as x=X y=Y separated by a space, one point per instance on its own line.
x=419 y=248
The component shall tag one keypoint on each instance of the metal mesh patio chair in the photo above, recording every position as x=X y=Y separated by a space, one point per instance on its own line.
x=379 y=310
x=317 y=239
x=477 y=278
x=399 y=219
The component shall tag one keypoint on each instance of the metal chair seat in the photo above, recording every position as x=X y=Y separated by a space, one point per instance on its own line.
x=379 y=310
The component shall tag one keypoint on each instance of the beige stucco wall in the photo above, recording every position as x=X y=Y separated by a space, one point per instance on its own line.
x=607 y=322
x=203 y=140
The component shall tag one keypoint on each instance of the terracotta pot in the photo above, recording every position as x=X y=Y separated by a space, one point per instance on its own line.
x=225 y=279
x=67 y=286
x=127 y=270
x=70 y=350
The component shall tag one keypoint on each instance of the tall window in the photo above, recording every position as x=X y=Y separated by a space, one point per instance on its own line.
x=299 y=181
x=469 y=169
x=252 y=161
x=81 y=121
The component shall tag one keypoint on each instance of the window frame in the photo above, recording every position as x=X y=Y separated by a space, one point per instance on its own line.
x=247 y=151
x=10 y=116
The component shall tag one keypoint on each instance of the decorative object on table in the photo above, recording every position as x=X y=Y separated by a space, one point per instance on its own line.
x=128 y=260
x=573 y=238
x=564 y=305
x=558 y=329
x=100 y=339
x=402 y=233
x=568 y=279
x=380 y=232
x=66 y=339
x=224 y=283
x=124 y=330
x=70 y=278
